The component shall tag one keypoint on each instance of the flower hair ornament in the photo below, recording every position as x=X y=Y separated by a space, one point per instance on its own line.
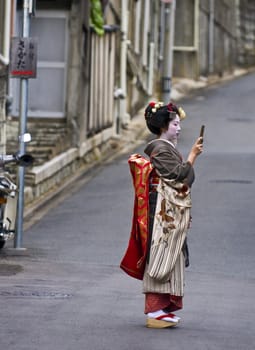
x=179 y=110
x=182 y=114
x=155 y=106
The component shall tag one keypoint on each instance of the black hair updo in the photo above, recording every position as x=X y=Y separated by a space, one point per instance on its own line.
x=158 y=116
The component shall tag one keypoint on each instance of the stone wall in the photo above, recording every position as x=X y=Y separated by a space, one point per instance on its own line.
x=49 y=138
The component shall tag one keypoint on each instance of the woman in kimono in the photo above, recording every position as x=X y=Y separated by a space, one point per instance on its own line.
x=168 y=215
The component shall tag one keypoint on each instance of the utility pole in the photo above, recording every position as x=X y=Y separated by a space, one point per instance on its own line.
x=168 y=49
x=25 y=52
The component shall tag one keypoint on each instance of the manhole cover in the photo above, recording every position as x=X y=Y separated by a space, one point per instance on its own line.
x=245 y=182
x=34 y=294
x=10 y=270
x=241 y=120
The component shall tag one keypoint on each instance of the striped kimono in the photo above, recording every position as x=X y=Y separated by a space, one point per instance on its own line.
x=164 y=272
x=169 y=211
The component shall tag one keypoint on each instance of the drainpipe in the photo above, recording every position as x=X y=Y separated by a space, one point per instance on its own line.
x=7 y=30
x=151 y=68
x=211 y=37
x=168 y=54
x=122 y=120
x=4 y=59
x=237 y=31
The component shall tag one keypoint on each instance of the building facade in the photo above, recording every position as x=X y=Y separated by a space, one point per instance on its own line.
x=99 y=62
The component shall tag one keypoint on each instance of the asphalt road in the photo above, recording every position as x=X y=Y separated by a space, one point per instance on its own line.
x=66 y=291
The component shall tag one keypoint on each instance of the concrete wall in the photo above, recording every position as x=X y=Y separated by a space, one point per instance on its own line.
x=214 y=48
x=246 y=33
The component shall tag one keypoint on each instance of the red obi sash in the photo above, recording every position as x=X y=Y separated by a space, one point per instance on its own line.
x=134 y=260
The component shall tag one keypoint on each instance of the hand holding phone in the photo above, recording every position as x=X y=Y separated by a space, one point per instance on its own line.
x=202 y=130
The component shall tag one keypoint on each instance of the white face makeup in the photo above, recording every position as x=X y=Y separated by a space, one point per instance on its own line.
x=172 y=133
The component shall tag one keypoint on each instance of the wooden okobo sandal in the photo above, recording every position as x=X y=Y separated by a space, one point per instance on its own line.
x=159 y=322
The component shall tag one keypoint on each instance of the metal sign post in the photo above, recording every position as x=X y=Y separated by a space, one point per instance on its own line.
x=23 y=66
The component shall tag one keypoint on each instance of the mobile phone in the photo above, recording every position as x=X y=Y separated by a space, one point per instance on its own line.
x=202 y=130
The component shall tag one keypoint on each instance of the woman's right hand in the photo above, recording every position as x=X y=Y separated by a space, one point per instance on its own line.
x=196 y=149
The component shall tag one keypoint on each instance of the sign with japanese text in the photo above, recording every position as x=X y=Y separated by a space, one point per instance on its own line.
x=23 y=61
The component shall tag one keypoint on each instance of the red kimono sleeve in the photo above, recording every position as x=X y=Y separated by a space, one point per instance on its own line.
x=134 y=260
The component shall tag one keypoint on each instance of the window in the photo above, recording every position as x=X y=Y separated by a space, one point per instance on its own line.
x=46 y=97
